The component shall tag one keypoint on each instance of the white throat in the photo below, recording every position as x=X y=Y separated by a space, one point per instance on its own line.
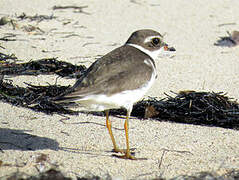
x=152 y=54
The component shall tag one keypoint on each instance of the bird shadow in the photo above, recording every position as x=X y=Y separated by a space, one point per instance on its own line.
x=13 y=139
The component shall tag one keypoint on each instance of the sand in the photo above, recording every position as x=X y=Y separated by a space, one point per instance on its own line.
x=81 y=145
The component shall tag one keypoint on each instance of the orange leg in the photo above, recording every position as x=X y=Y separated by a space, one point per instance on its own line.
x=126 y=128
x=108 y=125
x=127 y=154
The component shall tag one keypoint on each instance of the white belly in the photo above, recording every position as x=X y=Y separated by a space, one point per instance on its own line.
x=125 y=99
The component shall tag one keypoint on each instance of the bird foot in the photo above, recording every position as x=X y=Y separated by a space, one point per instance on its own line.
x=123 y=151
x=129 y=156
x=126 y=156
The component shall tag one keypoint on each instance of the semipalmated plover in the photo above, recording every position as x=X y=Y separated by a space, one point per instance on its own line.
x=120 y=78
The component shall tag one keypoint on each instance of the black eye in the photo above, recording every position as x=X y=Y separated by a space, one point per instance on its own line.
x=155 y=41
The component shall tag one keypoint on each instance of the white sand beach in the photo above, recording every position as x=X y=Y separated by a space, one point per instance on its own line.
x=80 y=145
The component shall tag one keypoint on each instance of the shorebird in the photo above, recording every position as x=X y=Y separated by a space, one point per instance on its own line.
x=119 y=79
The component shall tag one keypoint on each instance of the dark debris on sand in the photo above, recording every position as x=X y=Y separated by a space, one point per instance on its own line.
x=229 y=41
x=36 y=17
x=201 y=108
x=53 y=174
x=4 y=58
x=42 y=66
x=77 y=9
x=231 y=175
x=33 y=97
x=48 y=175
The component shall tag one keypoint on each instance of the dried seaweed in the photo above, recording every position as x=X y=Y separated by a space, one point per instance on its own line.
x=42 y=66
x=5 y=58
x=229 y=41
x=8 y=37
x=36 y=98
x=78 y=9
x=36 y=17
x=202 y=108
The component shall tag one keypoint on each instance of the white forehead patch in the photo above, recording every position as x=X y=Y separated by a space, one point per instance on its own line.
x=149 y=39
